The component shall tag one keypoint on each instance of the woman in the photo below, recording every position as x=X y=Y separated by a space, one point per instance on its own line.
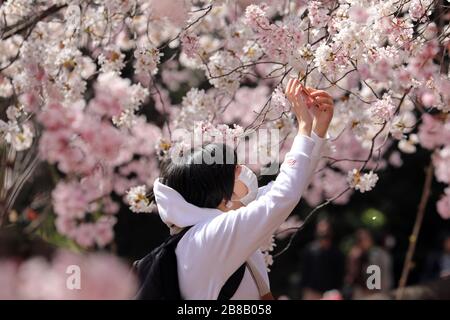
x=230 y=217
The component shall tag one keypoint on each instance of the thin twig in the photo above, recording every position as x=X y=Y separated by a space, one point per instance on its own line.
x=415 y=234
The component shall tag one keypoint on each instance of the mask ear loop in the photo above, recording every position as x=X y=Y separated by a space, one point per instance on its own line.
x=229 y=204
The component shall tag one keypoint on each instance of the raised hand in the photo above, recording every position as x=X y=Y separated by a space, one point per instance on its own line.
x=298 y=98
x=320 y=103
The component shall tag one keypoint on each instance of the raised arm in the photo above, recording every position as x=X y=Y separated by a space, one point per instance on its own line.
x=321 y=106
x=235 y=235
x=315 y=157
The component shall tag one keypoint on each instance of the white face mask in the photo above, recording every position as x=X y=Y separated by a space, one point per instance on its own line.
x=248 y=178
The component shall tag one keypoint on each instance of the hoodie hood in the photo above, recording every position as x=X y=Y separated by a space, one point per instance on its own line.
x=176 y=212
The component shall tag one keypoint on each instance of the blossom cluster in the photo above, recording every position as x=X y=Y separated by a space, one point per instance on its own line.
x=108 y=89
x=67 y=276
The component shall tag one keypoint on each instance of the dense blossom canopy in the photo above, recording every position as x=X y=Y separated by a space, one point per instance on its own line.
x=78 y=77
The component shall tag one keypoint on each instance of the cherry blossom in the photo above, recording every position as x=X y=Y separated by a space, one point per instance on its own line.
x=103 y=276
x=103 y=91
x=443 y=205
x=138 y=200
x=362 y=182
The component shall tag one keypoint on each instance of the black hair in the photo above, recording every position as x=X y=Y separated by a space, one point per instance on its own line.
x=204 y=176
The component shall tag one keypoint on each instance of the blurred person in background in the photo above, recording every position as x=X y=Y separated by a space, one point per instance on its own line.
x=362 y=255
x=322 y=264
x=438 y=263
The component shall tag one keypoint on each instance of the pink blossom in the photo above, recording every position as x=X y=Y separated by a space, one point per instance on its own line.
x=318 y=15
x=288 y=227
x=172 y=78
x=143 y=137
x=383 y=109
x=85 y=234
x=334 y=183
x=30 y=100
x=418 y=9
x=443 y=205
x=279 y=101
x=8 y=280
x=122 y=184
x=107 y=142
x=103 y=276
x=96 y=184
x=106 y=277
x=104 y=233
x=348 y=147
x=277 y=41
x=428 y=99
x=421 y=65
x=163 y=103
x=332 y=295
x=70 y=200
x=66 y=225
x=175 y=10
x=314 y=194
x=67 y=76
x=190 y=44
x=255 y=16
x=245 y=99
x=59 y=147
x=364 y=71
x=358 y=14
x=55 y=116
x=441 y=162
x=111 y=93
x=37 y=280
x=432 y=132
x=395 y=159
x=109 y=206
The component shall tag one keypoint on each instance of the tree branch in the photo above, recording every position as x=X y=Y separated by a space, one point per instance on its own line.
x=415 y=234
x=29 y=22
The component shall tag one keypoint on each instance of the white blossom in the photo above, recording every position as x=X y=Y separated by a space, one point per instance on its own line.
x=147 y=59
x=138 y=200
x=20 y=136
x=362 y=182
x=111 y=59
x=197 y=106
x=221 y=71
x=409 y=145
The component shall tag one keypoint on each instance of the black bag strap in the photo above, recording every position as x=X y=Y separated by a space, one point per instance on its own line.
x=174 y=239
x=232 y=284
x=171 y=241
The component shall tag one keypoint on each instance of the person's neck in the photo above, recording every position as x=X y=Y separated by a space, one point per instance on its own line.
x=223 y=208
x=235 y=205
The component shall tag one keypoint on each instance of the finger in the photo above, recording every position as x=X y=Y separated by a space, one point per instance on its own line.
x=309 y=90
x=323 y=100
x=320 y=93
x=311 y=104
x=301 y=96
x=316 y=90
x=305 y=91
x=304 y=94
x=297 y=91
x=294 y=88
x=326 y=107
x=294 y=85
x=289 y=86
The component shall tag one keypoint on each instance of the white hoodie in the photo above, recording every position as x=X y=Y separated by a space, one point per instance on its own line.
x=220 y=242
